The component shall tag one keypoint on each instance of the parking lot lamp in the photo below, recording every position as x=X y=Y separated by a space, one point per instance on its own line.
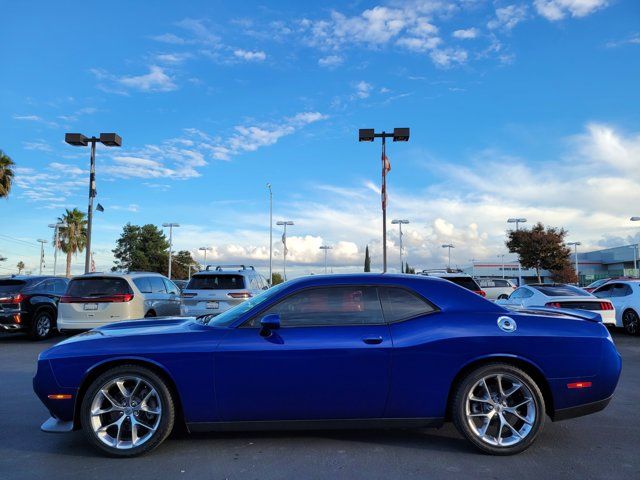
x=398 y=135
x=205 y=249
x=326 y=248
x=170 y=225
x=284 y=224
x=56 y=227
x=400 y=223
x=575 y=250
x=42 y=242
x=270 y=235
x=449 y=246
x=518 y=221
x=79 y=140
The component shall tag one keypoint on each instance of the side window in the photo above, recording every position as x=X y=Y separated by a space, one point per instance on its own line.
x=330 y=306
x=516 y=295
x=171 y=287
x=526 y=293
x=142 y=284
x=604 y=291
x=157 y=285
x=400 y=304
x=500 y=283
x=60 y=287
x=620 y=290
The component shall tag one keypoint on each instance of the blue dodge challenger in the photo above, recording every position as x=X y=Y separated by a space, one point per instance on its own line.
x=343 y=351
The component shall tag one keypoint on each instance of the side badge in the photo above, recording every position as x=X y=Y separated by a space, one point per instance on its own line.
x=507 y=324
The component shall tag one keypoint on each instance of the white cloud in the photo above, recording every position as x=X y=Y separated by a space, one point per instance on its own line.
x=250 y=56
x=363 y=89
x=466 y=33
x=173 y=58
x=508 y=17
x=157 y=80
x=558 y=9
x=448 y=57
x=633 y=39
x=331 y=61
x=169 y=38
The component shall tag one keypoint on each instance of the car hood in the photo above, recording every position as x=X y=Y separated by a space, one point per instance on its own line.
x=156 y=326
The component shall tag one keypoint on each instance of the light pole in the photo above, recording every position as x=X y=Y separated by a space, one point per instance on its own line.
x=473 y=267
x=205 y=249
x=398 y=135
x=284 y=223
x=517 y=221
x=635 y=257
x=270 y=235
x=42 y=242
x=575 y=249
x=56 y=227
x=502 y=255
x=326 y=249
x=170 y=225
x=449 y=246
x=79 y=140
x=400 y=223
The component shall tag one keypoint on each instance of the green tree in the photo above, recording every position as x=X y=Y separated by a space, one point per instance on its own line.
x=367 y=260
x=141 y=249
x=6 y=174
x=408 y=269
x=73 y=237
x=276 y=278
x=540 y=248
x=180 y=264
x=20 y=266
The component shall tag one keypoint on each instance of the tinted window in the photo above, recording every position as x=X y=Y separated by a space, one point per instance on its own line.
x=142 y=284
x=465 y=282
x=603 y=292
x=400 y=304
x=157 y=285
x=216 y=282
x=97 y=287
x=171 y=287
x=60 y=287
x=597 y=283
x=560 y=291
x=328 y=306
x=620 y=290
x=517 y=294
x=501 y=283
x=11 y=286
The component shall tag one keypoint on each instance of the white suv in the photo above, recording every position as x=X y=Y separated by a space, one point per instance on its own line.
x=217 y=289
x=95 y=299
x=459 y=278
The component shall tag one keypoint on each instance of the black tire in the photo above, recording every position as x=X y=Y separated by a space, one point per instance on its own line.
x=631 y=322
x=43 y=324
x=470 y=382
x=503 y=297
x=164 y=424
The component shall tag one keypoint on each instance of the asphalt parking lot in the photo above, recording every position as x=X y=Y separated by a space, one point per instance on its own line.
x=604 y=445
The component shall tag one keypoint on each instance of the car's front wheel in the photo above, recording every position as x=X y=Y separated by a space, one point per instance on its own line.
x=499 y=409
x=127 y=411
x=631 y=322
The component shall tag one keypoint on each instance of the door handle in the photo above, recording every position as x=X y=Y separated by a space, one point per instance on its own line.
x=372 y=340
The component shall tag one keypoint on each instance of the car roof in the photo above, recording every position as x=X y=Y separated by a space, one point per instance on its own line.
x=118 y=274
x=30 y=277
x=443 y=274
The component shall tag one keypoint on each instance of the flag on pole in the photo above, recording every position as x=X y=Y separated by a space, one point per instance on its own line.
x=93 y=263
x=386 y=167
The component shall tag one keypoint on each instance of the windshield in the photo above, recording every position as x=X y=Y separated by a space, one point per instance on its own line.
x=227 y=318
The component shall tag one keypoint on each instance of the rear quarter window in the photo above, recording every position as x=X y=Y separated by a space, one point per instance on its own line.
x=216 y=282
x=399 y=304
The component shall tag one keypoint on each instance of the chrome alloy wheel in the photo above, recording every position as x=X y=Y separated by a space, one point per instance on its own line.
x=125 y=412
x=43 y=325
x=500 y=410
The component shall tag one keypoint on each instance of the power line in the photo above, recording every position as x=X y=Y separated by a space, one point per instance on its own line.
x=17 y=240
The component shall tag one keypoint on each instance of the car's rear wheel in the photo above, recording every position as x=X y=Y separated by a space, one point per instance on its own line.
x=499 y=409
x=42 y=325
x=631 y=322
x=127 y=411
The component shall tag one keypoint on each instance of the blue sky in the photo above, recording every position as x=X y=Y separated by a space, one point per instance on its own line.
x=526 y=108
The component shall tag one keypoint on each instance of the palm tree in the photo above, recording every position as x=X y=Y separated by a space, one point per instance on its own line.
x=72 y=238
x=6 y=174
x=20 y=267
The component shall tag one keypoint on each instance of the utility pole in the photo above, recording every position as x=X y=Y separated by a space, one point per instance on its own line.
x=270 y=235
x=42 y=242
x=56 y=227
x=205 y=249
x=449 y=246
x=326 y=248
x=400 y=223
x=517 y=221
x=170 y=225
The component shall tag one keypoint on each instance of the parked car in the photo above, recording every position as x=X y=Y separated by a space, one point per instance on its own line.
x=363 y=350
x=598 y=283
x=625 y=296
x=217 y=289
x=30 y=304
x=459 y=278
x=558 y=295
x=95 y=299
x=496 y=288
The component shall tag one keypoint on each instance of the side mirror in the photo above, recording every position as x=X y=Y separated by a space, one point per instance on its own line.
x=269 y=323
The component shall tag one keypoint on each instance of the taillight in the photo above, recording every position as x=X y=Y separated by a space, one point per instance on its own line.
x=553 y=305
x=117 y=298
x=482 y=293
x=239 y=295
x=13 y=300
x=606 y=306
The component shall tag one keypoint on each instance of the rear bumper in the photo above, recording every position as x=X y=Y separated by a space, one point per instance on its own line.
x=13 y=321
x=580 y=410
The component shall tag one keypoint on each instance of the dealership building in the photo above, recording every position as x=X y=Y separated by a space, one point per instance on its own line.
x=610 y=262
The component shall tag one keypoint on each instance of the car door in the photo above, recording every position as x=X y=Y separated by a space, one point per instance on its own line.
x=159 y=298
x=330 y=359
x=173 y=300
x=620 y=294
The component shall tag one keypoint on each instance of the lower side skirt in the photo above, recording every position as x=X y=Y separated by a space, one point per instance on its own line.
x=333 y=424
